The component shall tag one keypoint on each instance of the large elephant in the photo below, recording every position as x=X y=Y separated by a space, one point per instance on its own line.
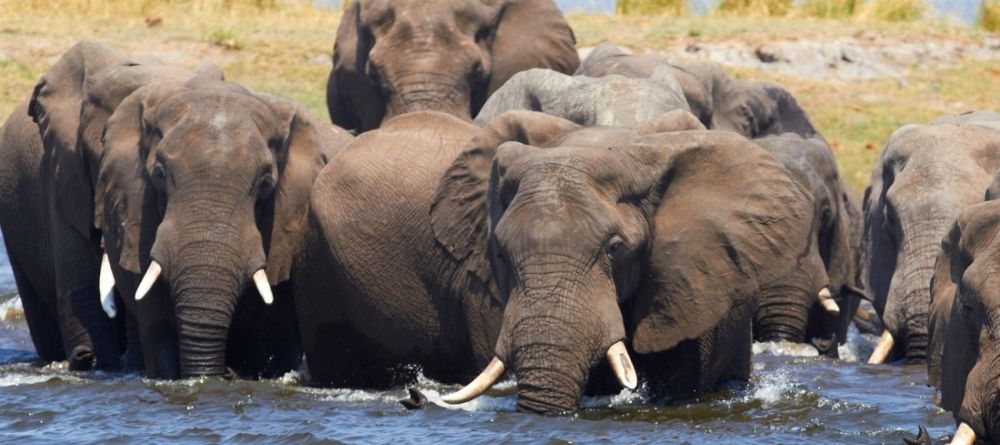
x=589 y=101
x=487 y=247
x=203 y=189
x=925 y=176
x=818 y=304
x=396 y=56
x=964 y=342
x=753 y=109
x=48 y=197
x=56 y=331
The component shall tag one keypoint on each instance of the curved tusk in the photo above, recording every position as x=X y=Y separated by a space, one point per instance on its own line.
x=106 y=286
x=148 y=280
x=263 y=287
x=964 y=435
x=484 y=381
x=882 y=349
x=826 y=299
x=622 y=365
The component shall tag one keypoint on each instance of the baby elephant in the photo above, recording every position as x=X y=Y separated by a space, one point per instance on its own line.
x=573 y=257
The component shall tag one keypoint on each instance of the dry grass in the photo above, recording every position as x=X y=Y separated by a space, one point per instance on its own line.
x=755 y=8
x=672 y=8
x=284 y=49
x=829 y=9
x=893 y=10
x=989 y=15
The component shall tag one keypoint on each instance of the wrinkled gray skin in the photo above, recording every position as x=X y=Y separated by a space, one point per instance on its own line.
x=487 y=245
x=790 y=310
x=926 y=175
x=56 y=331
x=752 y=109
x=212 y=182
x=396 y=56
x=965 y=313
x=47 y=216
x=611 y=100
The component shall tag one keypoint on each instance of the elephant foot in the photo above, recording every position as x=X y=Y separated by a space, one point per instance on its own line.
x=82 y=359
x=923 y=438
x=415 y=401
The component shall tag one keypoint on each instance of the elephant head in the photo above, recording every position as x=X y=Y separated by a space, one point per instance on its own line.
x=71 y=105
x=965 y=315
x=924 y=178
x=604 y=242
x=752 y=109
x=203 y=190
x=609 y=101
x=396 y=56
x=817 y=304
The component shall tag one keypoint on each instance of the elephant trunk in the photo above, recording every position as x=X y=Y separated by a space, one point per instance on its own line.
x=205 y=303
x=429 y=92
x=908 y=307
x=550 y=379
x=782 y=313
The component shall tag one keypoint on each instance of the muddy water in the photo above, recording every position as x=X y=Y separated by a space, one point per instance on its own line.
x=794 y=398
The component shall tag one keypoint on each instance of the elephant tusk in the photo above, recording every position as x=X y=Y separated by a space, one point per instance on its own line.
x=263 y=287
x=148 y=280
x=622 y=365
x=484 y=381
x=106 y=286
x=826 y=299
x=964 y=435
x=882 y=349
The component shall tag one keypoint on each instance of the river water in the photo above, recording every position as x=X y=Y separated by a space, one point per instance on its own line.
x=794 y=398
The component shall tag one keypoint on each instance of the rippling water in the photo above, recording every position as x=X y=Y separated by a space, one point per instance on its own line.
x=794 y=397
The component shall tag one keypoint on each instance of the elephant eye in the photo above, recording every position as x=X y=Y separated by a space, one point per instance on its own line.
x=159 y=176
x=266 y=184
x=616 y=247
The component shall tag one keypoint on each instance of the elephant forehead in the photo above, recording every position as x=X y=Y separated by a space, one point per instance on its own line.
x=220 y=112
x=565 y=165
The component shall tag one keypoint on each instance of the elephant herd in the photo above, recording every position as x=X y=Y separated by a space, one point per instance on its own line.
x=487 y=203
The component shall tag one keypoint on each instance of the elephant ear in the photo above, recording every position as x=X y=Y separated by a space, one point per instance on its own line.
x=459 y=213
x=302 y=156
x=790 y=118
x=349 y=87
x=56 y=107
x=726 y=219
x=530 y=34
x=126 y=208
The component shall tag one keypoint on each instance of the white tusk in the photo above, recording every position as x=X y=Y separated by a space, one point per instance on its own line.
x=263 y=287
x=964 y=435
x=106 y=286
x=882 y=349
x=622 y=365
x=148 y=280
x=826 y=299
x=484 y=381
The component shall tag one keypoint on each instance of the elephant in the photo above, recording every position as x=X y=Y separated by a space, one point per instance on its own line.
x=202 y=191
x=589 y=101
x=551 y=250
x=753 y=109
x=925 y=177
x=396 y=56
x=817 y=305
x=55 y=330
x=47 y=215
x=962 y=335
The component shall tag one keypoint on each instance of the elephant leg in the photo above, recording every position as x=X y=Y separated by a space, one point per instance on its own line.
x=133 y=350
x=264 y=341
x=158 y=334
x=42 y=324
x=77 y=262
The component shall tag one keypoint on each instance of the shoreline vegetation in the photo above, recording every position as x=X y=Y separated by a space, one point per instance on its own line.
x=284 y=47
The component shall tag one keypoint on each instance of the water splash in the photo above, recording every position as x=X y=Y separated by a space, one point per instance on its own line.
x=11 y=309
